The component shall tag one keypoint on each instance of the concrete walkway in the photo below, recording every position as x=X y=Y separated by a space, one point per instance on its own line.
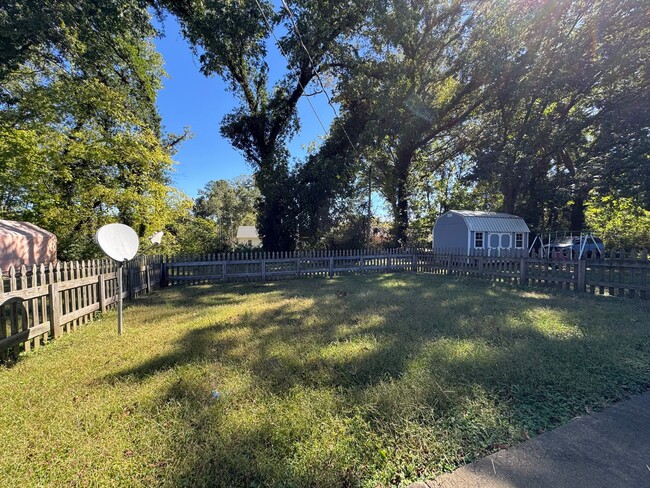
x=608 y=449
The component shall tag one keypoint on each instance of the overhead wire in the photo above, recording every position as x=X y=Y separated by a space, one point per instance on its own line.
x=316 y=73
x=270 y=28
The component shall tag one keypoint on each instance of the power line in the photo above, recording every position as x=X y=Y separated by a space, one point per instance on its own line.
x=329 y=101
x=313 y=67
x=268 y=25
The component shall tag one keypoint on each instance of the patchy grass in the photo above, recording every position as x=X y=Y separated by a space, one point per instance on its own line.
x=357 y=381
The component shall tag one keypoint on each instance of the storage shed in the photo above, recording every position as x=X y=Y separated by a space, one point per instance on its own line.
x=473 y=231
x=25 y=243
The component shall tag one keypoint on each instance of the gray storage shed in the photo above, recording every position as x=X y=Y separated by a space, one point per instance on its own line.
x=474 y=231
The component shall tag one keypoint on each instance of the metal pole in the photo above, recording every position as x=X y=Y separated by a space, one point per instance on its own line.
x=369 y=230
x=119 y=299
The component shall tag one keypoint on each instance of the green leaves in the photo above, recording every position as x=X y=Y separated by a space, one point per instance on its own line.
x=81 y=143
x=620 y=222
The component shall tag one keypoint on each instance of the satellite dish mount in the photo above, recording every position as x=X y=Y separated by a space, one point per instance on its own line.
x=120 y=243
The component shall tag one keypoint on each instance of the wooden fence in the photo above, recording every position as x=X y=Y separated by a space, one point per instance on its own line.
x=42 y=303
x=39 y=303
x=619 y=273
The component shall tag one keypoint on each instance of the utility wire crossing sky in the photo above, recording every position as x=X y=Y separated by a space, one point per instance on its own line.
x=190 y=99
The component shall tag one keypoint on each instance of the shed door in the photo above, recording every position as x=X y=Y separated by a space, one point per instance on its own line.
x=498 y=240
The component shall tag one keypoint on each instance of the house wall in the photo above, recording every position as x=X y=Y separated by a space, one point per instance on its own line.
x=450 y=232
x=255 y=241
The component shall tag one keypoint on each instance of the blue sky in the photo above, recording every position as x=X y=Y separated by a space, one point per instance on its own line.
x=192 y=100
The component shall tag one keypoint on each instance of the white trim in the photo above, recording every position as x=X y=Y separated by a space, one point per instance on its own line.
x=483 y=233
x=523 y=245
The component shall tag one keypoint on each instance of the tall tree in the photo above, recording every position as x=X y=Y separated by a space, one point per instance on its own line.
x=567 y=65
x=80 y=138
x=231 y=40
x=420 y=72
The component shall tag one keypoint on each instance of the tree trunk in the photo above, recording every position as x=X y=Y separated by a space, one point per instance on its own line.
x=401 y=207
x=509 y=193
x=578 y=213
x=276 y=222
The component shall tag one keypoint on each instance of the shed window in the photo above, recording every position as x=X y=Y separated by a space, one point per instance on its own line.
x=478 y=240
x=250 y=242
x=519 y=240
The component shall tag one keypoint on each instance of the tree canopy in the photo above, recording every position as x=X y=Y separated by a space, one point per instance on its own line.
x=81 y=141
x=537 y=108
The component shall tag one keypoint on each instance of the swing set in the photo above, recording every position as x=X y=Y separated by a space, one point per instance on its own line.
x=571 y=242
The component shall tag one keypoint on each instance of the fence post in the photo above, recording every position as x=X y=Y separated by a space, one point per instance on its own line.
x=55 y=310
x=414 y=267
x=263 y=269
x=162 y=283
x=223 y=271
x=102 y=293
x=130 y=284
x=582 y=275
x=331 y=266
x=449 y=262
x=481 y=265
x=523 y=271
x=147 y=270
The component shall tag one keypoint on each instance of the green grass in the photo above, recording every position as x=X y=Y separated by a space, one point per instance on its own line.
x=356 y=381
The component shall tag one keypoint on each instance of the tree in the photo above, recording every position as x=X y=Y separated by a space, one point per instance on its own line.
x=80 y=137
x=421 y=75
x=229 y=204
x=230 y=38
x=568 y=65
x=619 y=222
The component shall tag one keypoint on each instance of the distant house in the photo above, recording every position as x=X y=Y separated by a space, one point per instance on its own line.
x=472 y=232
x=247 y=236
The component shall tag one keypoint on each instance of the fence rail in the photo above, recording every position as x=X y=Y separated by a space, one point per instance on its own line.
x=620 y=274
x=41 y=303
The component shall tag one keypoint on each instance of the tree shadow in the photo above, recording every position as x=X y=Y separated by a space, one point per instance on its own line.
x=373 y=362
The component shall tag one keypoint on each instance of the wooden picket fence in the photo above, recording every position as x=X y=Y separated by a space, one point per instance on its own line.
x=41 y=303
x=618 y=273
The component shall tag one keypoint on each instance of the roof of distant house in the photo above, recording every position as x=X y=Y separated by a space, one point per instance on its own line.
x=247 y=232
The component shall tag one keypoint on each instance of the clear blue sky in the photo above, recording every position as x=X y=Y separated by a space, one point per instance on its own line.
x=189 y=99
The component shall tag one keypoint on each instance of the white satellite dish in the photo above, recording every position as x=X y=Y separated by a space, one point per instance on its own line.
x=156 y=239
x=118 y=241
x=121 y=243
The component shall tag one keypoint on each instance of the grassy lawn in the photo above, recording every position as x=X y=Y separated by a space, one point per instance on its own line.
x=357 y=381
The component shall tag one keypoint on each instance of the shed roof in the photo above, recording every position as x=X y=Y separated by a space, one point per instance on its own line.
x=16 y=228
x=247 y=232
x=492 y=221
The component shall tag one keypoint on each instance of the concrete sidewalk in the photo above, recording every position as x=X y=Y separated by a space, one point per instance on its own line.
x=608 y=449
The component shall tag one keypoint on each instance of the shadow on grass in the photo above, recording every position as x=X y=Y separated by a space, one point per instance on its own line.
x=385 y=378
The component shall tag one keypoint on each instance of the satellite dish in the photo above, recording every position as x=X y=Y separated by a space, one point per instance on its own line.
x=156 y=239
x=118 y=241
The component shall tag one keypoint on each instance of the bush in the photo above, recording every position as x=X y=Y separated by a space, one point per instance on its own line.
x=620 y=223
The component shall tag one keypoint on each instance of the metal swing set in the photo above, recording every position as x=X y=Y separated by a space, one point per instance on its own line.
x=552 y=238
